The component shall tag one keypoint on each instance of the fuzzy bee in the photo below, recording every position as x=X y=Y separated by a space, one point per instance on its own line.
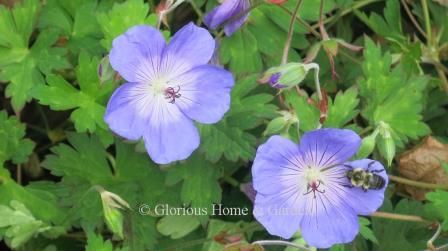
x=365 y=178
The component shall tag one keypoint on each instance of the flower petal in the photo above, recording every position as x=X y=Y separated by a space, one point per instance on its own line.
x=279 y=214
x=225 y=12
x=231 y=27
x=365 y=203
x=170 y=135
x=276 y=167
x=191 y=46
x=221 y=13
x=328 y=147
x=137 y=53
x=205 y=93
x=328 y=220
x=126 y=110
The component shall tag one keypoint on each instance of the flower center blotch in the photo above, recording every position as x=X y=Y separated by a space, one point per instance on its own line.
x=158 y=87
x=170 y=93
x=313 y=181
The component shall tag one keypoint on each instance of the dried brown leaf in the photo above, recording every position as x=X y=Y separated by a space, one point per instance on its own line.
x=423 y=163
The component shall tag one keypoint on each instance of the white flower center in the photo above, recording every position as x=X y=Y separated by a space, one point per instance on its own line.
x=159 y=87
x=312 y=174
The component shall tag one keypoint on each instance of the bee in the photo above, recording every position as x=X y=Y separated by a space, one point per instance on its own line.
x=365 y=178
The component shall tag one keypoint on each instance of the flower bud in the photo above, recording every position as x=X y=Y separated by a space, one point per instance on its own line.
x=112 y=204
x=367 y=146
x=386 y=143
x=275 y=126
x=105 y=71
x=285 y=76
x=281 y=123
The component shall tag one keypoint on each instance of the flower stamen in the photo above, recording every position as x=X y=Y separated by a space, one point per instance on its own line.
x=313 y=186
x=172 y=94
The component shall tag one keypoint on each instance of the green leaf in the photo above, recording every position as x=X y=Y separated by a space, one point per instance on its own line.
x=240 y=51
x=229 y=138
x=21 y=225
x=96 y=243
x=85 y=165
x=389 y=26
x=307 y=113
x=391 y=96
x=232 y=143
x=86 y=160
x=217 y=227
x=89 y=101
x=177 y=226
x=16 y=25
x=439 y=201
x=248 y=49
x=123 y=16
x=310 y=9
x=398 y=235
x=41 y=203
x=20 y=65
x=365 y=231
x=12 y=144
x=343 y=109
x=200 y=186
x=78 y=24
x=270 y=47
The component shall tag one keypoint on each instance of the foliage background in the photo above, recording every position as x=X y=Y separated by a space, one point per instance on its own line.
x=57 y=154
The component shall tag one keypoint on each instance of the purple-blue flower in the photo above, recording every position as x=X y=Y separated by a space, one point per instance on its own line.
x=305 y=187
x=168 y=87
x=273 y=81
x=225 y=13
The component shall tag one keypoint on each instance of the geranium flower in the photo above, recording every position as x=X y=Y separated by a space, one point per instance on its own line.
x=306 y=187
x=169 y=86
x=234 y=12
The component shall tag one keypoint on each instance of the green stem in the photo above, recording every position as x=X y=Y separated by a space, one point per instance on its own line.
x=354 y=60
x=417 y=183
x=231 y=181
x=427 y=21
x=37 y=129
x=198 y=11
x=366 y=130
x=316 y=34
x=290 y=33
x=356 y=6
x=165 y=12
x=402 y=217
x=322 y=30
x=280 y=243
x=19 y=174
x=409 y=13
x=195 y=242
x=301 y=21
x=429 y=243
x=111 y=159
x=442 y=76
x=44 y=118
